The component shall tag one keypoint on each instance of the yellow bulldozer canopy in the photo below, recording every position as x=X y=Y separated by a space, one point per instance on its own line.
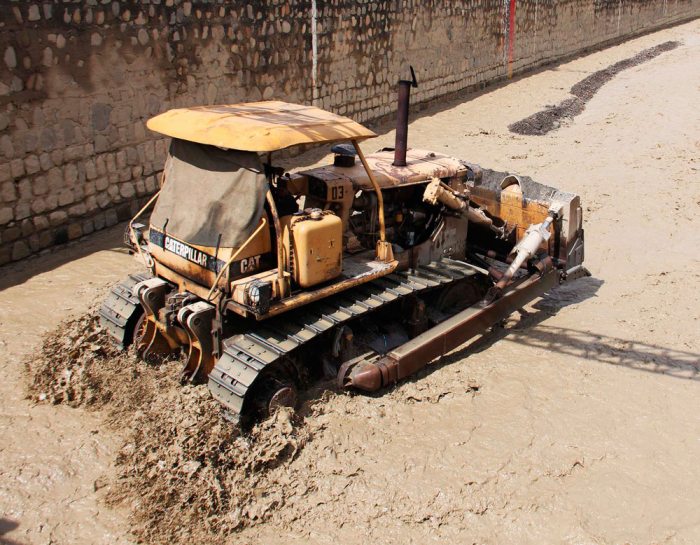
x=257 y=126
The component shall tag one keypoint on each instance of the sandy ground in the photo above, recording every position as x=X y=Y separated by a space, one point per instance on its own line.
x=586 y=425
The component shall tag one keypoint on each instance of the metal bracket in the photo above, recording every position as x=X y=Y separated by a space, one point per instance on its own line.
x=198 y=320
x=151 y=294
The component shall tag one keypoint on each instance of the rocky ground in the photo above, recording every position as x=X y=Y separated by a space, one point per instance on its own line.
x=577 y=423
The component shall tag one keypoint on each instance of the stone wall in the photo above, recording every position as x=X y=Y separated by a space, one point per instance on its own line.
x=79 y=78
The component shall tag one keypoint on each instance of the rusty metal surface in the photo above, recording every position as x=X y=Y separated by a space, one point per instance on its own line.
x=244 y=356
x=257 y=126
x=377 y=190
x=372 y=271
x=421 y=350
x=421 y=165
x=401 y=144
x=404 y=103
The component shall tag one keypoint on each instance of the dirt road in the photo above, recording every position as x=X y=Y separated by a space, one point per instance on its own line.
x=586 y=424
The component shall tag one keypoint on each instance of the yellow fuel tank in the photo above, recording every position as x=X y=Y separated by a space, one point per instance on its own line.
x=313 y=244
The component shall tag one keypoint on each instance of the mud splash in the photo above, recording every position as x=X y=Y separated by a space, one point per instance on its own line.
x=552 y=117
x=184 y=472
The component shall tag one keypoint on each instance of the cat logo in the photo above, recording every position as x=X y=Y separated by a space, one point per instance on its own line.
x=250 y=264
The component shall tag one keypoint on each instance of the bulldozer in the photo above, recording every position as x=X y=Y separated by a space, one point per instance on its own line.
x=360 y=272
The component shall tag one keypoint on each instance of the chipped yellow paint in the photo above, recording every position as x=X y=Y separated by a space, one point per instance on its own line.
x=257 y=126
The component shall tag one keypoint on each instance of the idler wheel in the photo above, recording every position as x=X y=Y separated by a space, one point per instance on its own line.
x=285 y=396
x=139 y=330
x=274 y=393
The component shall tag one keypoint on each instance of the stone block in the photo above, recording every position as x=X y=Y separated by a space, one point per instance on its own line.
x=5 y=254
x=41 y=223
x=22 y=210
x=66 y=197
x=132 y=156
x=77 y=210
x=57 y=157
x=5 y=172
x=125 y=174
x=11 y=234
x=104 y=199
x=111 y=162
x=87 y=226
x=73 y=153
x=111 y=217
x=31 y=164
x=51 y=201
x=75 y=230
x=99 y=221
x=55 y=179
x=38 y=205
x=6 y=215
x=40 y=185
x=34 y=243
x=127 y=190
x=17 y=168
x=45 y=161
x=20 y=250
x=100 y=116
x=27 y=227
x=8 y=192
x=70 y=174
x=90 y=169
x=101 y=184
x=100 y=165
x=150 y=150
x=33 y=13
x=6 y=147
x=25 y=188
x=57 y=218
x=91 y=204
x=101 y=143
x=121 y=159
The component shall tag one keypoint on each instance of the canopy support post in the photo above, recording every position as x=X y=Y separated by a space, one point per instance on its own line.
x=281 y=280
x=384 y=251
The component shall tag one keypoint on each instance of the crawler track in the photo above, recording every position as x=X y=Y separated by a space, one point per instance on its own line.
x=269 y=343
x=121 y=309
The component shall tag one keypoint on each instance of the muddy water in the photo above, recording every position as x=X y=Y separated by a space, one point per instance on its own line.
x=585 y=424
x=55 y=460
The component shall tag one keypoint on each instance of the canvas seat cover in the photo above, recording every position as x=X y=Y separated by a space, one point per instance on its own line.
x=209 y=192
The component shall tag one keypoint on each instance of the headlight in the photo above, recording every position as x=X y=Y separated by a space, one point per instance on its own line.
x=258 y=295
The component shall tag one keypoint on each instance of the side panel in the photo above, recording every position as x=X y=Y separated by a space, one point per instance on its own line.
x=202 y=264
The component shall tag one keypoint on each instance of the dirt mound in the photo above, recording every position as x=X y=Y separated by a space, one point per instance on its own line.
x=552 y=117
x=74 y=365
x=183 y=470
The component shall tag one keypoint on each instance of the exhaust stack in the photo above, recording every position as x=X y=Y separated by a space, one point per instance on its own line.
x=402 y=119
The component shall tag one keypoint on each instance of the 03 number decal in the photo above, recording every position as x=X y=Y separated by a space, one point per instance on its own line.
x=337 y=193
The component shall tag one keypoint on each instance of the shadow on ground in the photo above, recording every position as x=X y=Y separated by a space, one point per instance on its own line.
x=7 y=526
x=531 y=331
x=110 y=239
